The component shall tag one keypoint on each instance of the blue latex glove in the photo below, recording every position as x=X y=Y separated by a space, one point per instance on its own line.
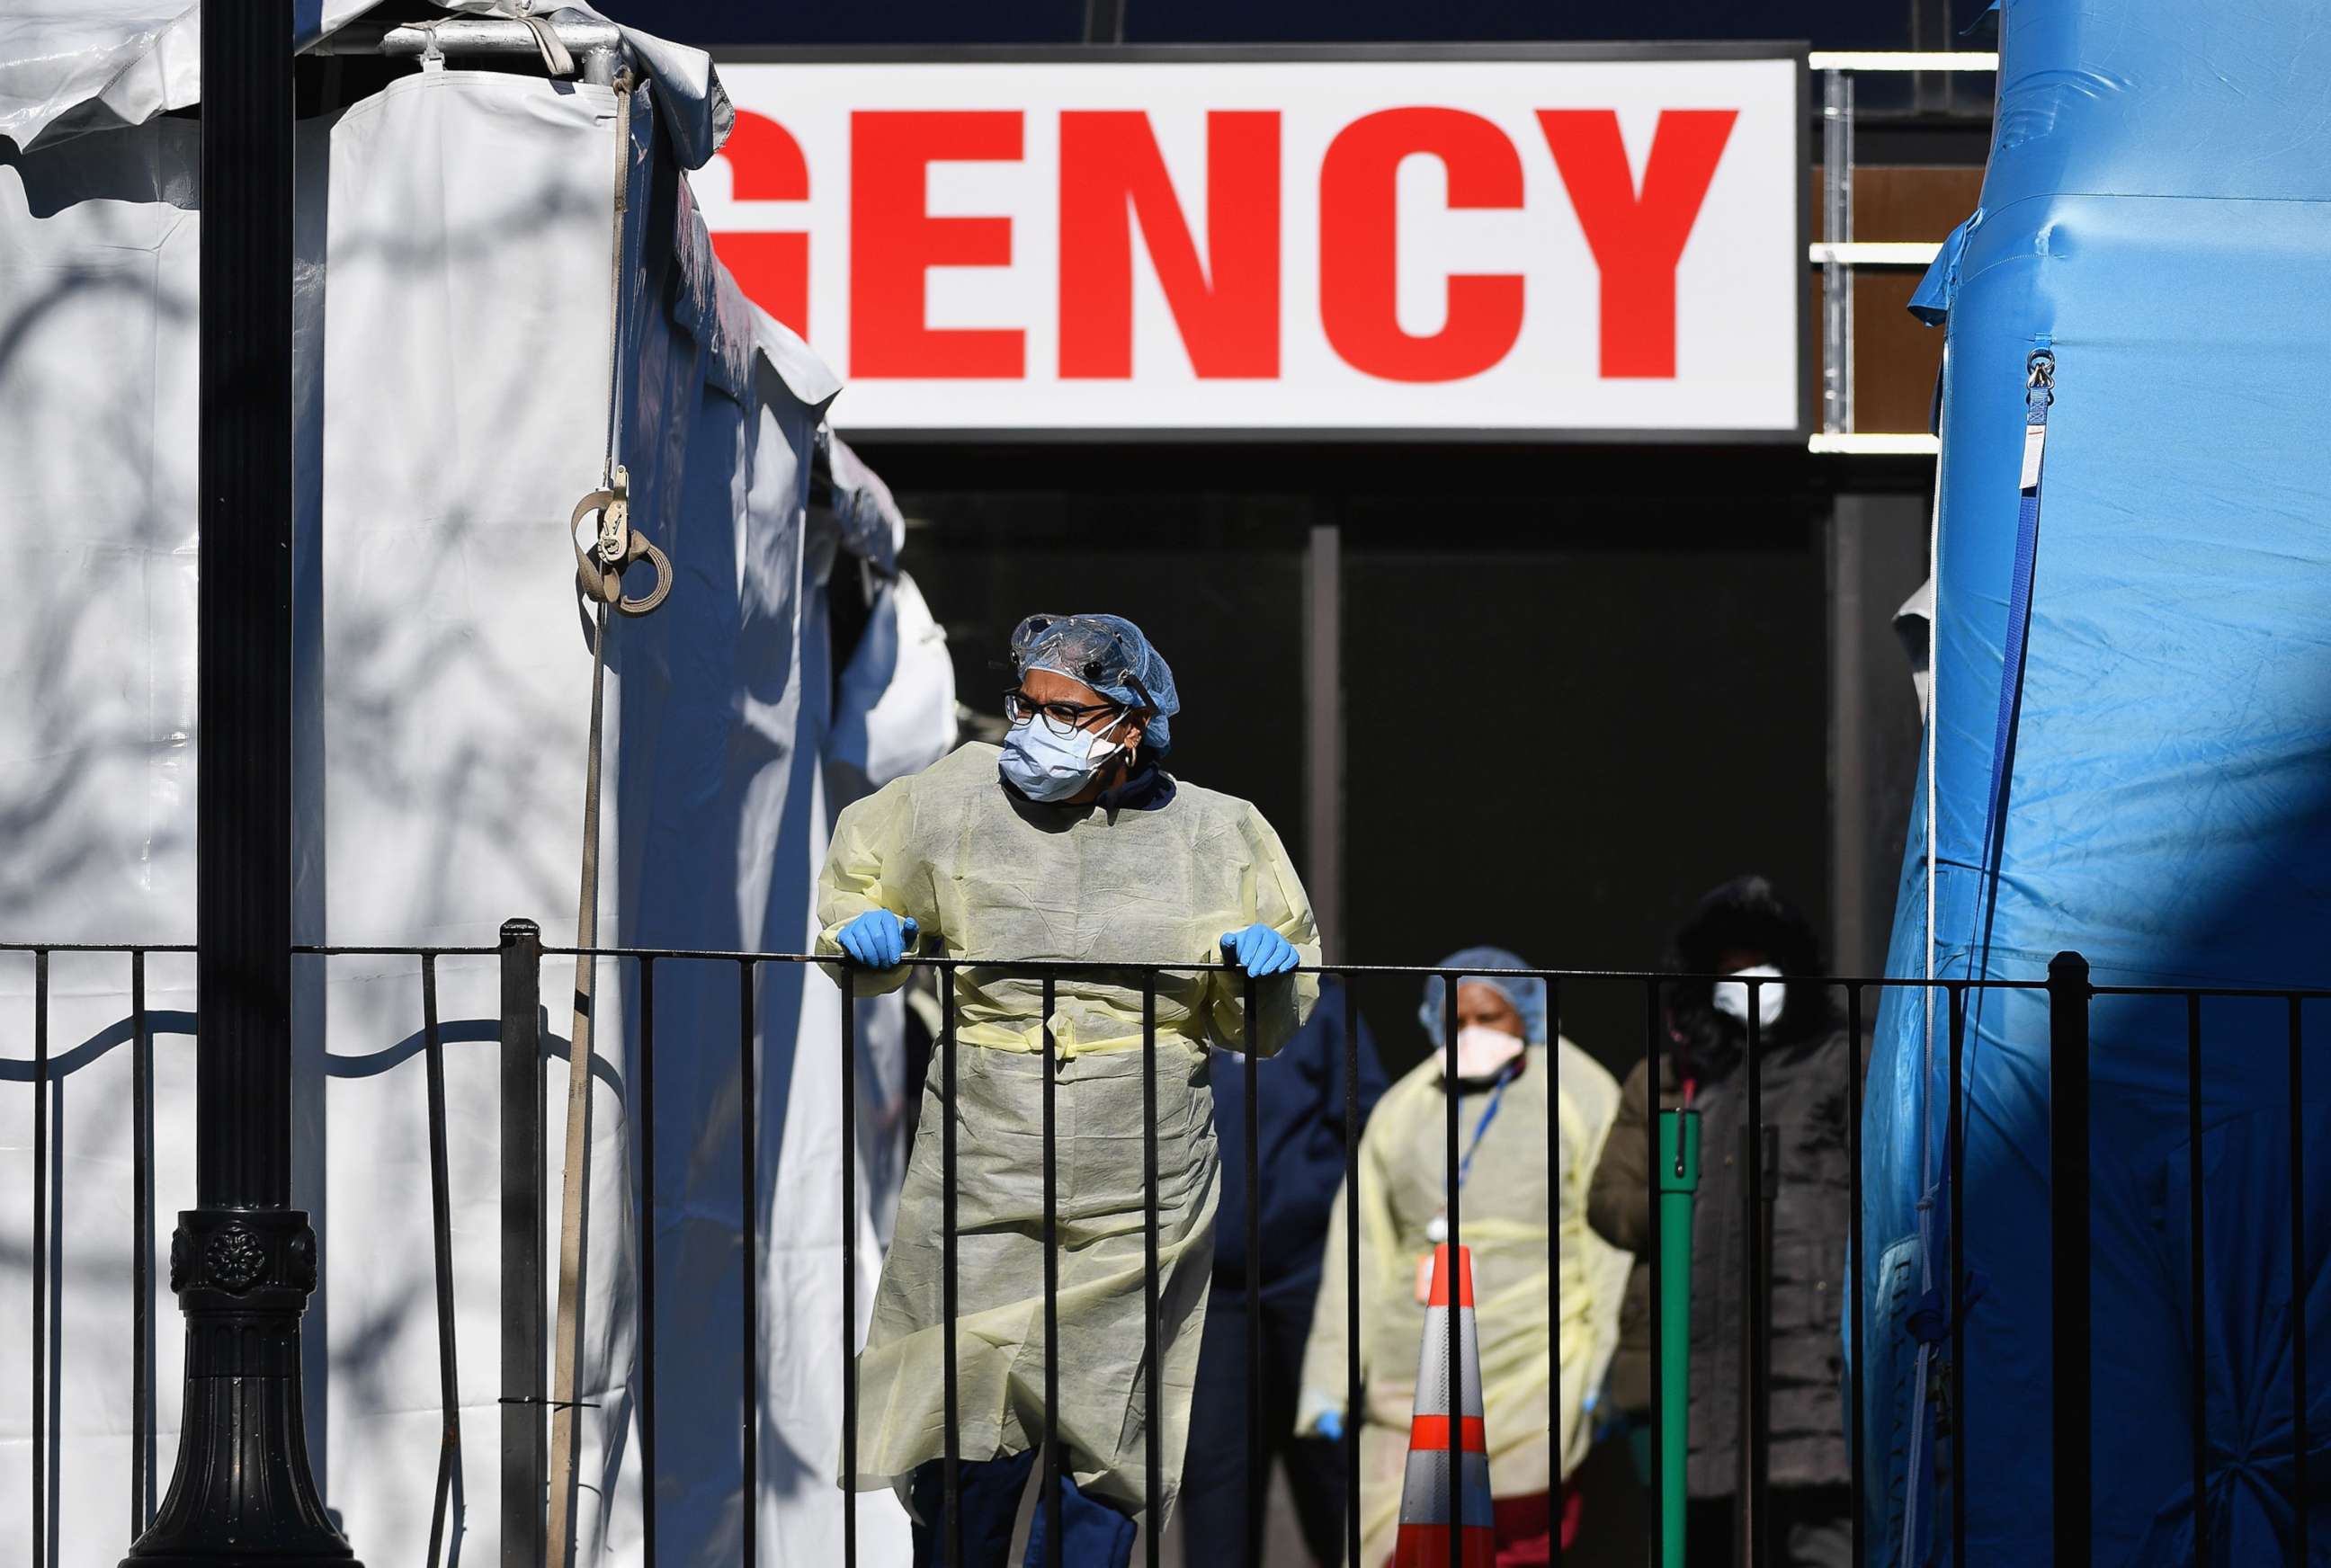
x=1330 y=1426
x=1261 y=950
x=878 y=939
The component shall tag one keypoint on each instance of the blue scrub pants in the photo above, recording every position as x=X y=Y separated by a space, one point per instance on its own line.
x=1215 y=1530
x=1093 y=1535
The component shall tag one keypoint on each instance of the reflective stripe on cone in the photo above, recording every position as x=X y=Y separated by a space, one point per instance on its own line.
x=1425 y=1505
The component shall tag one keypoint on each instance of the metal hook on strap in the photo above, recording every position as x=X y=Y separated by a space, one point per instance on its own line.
x=599 y=568
x=2040 y=377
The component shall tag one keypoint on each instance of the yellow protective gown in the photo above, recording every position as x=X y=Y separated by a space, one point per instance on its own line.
x=1504 y=1216
x=990 y=875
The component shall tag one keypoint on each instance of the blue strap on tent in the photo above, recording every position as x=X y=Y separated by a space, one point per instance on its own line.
x=1931 y=1322
x=2039 y=393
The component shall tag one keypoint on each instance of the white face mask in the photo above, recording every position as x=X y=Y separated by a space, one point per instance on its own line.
x=1482 y=1051
x=1045 y=767
x=1732 y=996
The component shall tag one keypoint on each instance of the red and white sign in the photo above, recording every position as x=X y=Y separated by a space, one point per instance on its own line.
x=1426 y=246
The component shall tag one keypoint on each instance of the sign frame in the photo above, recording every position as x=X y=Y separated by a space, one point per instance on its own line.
x=1797 y=52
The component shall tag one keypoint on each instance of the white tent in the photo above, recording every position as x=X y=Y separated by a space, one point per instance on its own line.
x=455 y=243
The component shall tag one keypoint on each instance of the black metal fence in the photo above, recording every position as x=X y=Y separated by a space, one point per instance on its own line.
x=524 y=1450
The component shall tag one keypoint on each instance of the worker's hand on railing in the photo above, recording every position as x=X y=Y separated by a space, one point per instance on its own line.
x=878 y=939
x=1261 y=950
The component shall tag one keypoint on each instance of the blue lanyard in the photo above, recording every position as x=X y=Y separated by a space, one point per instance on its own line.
x=1488 y=1114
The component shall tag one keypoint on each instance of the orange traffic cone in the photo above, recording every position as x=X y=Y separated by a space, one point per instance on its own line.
x=1425 y=1513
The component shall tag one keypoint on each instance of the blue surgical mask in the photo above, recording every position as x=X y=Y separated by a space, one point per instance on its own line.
x=1045 y=767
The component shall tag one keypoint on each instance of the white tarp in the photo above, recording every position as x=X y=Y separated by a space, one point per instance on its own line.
x=93 y=64
x=453 y=379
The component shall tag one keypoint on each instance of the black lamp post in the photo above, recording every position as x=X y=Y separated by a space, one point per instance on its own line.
x=243 y=1261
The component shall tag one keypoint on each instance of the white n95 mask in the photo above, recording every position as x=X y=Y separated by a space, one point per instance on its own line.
x=1482 y=1051
x=1732 y=996
x=1045 y=767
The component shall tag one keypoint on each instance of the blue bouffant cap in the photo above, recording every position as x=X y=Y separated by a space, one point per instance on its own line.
x=1480 y=963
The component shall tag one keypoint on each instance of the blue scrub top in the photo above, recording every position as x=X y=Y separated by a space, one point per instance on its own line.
x=1300 y=1150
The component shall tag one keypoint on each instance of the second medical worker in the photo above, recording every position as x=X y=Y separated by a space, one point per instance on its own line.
x=1518 y=1219
x=1072 y=842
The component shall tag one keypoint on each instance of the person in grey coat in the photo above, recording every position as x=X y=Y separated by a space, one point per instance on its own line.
x=1745 y=929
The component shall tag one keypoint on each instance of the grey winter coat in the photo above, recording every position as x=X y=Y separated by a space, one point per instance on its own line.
x=1803 y=1088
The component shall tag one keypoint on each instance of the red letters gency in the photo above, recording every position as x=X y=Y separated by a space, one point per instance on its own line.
x=1637 y=241
x=894 y=242
x=1111 y=174
x=1359 y=249
x=765 y=165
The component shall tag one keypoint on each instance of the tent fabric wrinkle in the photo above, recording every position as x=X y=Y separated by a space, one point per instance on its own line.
x=2156 y=214
x=453 y=308
x=895 y=711
x=864 y=508
x=1930 y=303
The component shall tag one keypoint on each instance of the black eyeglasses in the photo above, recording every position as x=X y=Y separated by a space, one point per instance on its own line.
x=1062 y=718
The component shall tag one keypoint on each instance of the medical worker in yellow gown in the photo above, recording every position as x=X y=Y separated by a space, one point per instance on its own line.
x=1070 y=841
x=1509 y=1082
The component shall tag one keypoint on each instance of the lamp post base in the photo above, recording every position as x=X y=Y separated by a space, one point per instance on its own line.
x=242 y=1492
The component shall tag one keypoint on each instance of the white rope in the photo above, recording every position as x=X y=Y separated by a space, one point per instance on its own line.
x=555 y=58
x=1927 y=1068
x=565 y=1411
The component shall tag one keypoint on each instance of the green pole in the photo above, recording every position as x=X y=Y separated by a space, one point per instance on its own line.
x=1678 y=1181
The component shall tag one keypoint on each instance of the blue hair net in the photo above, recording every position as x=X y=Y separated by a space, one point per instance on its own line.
x=1529 y=996
x=1108 y=653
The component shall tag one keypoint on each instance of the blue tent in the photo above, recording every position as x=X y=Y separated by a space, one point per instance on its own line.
x=2139 y=768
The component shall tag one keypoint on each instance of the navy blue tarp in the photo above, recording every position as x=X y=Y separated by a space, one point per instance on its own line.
x=2157 y=216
